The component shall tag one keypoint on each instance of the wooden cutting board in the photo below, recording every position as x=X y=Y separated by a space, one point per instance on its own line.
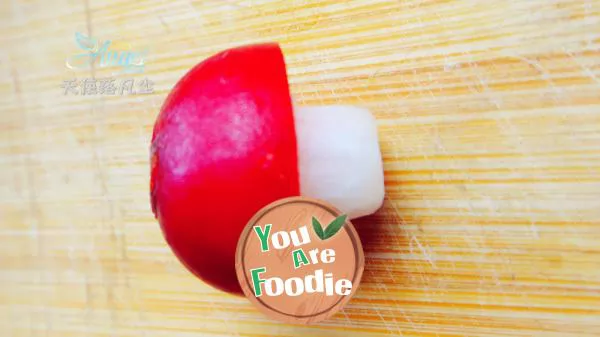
x=489 y=119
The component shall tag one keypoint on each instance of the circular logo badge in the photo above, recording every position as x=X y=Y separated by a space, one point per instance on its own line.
x=299 y=260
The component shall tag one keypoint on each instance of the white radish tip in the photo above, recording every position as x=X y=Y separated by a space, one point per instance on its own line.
x=339 y=158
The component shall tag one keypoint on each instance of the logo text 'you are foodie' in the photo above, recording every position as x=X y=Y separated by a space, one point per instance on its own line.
x=296 y=286
x=296 y=272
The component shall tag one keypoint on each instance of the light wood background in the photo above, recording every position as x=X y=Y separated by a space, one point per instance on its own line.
x=489 y=118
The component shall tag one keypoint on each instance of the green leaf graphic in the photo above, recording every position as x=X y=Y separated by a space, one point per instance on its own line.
x=331 y=229
x=335 y=226
x=317 y=227
x=86 y=43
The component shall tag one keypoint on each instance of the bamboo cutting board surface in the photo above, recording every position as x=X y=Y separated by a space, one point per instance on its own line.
x=489 y=120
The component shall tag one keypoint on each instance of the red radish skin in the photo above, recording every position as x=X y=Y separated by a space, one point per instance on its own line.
x=223 y=147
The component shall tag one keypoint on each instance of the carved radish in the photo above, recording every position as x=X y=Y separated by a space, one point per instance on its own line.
x=227 y=143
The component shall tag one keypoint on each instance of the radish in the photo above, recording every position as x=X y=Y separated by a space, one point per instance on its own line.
x=227 y=142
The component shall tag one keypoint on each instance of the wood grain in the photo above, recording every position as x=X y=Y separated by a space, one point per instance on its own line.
x=489 y=119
